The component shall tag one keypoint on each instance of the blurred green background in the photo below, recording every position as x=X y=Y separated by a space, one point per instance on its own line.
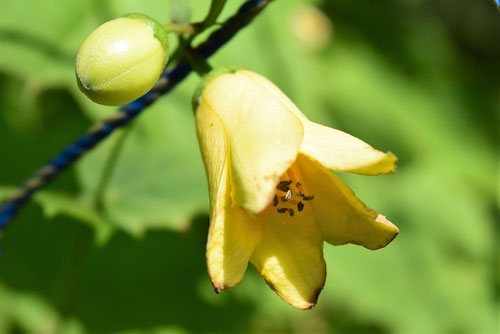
x=420 y=78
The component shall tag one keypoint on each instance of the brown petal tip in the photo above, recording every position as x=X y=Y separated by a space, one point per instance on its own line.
x=218 y=287
x=392 y=230
x=383 y=220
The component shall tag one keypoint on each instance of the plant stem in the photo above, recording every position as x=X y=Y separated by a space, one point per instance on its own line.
x=213 y=13
x=215 y=9
x=180 y=28
x=109 y=167
x=199 y=64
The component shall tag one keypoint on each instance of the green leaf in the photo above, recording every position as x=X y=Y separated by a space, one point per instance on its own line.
x=56 y=203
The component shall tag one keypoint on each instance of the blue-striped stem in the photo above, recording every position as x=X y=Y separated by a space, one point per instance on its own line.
x=169 y=79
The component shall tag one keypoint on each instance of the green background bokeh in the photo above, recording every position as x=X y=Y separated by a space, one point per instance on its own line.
x=420 y=78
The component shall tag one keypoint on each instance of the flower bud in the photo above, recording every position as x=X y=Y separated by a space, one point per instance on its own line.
x=122 y=59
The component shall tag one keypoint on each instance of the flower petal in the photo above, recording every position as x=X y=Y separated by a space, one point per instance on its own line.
x=334 y=149
x=340 y=151
x=276 y=92
x=342 y=217
x=290 y=256
x=263 y=134
x=231 y=241
x=233 y=233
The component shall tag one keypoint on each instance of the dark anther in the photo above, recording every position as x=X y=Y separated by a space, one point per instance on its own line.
x=286 y=182
x=283 y=185
x=300 y=206
x=275 y=200
x=282 y=188
x=282 y=210
x=291 y=212
x=308 y=198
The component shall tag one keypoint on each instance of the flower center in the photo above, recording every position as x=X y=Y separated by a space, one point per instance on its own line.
x=290 y=198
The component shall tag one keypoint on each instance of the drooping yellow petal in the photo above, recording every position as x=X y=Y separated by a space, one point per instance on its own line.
x=233 y=233
x=263 y=134
x=290 y=255
x=340 y=151
x=342 y=217
x=276 y=92
x=231 y=240
x=335 y=149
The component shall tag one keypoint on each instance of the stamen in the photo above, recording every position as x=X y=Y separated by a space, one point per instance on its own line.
x=287 y=197
x=283 y=185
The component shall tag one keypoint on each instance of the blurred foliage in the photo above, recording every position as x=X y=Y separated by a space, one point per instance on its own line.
x=417 y=77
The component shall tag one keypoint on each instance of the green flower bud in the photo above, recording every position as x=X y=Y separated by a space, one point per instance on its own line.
x=122 y=59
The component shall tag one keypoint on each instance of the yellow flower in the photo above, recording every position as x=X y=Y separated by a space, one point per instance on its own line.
x=273 y=199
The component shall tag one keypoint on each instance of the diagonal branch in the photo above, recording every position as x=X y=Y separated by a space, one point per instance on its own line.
x=169 y=79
